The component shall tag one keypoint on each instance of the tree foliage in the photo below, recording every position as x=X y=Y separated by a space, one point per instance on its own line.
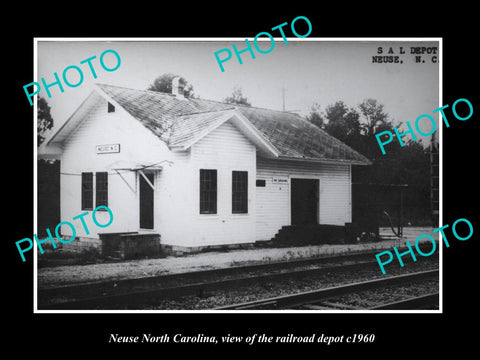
x=315 y=116
x=237 y=97
x=44 y=119
x=342 y=122
x=373 y=116
x=48 y=175
x=163 y=83
x=409 y=165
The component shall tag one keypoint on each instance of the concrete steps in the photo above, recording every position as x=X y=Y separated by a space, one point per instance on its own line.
x=309 y=235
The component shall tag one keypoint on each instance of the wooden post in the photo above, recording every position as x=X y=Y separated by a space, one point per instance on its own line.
x=400 y=220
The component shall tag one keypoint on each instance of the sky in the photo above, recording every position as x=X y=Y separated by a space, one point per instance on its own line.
x=311 y=70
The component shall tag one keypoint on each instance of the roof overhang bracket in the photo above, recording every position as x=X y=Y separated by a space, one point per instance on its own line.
x=125 y=181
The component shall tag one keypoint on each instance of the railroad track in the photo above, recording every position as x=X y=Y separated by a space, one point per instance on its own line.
x=314 y=300
x=418 y=302
x=136 y=293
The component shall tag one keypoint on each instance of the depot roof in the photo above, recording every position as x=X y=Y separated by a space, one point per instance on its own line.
x=177 y=121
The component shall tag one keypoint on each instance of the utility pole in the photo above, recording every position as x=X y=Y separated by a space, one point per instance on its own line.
x=434 y=179
x=283 y=102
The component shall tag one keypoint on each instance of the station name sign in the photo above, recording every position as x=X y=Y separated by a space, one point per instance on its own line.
x=280 y=180
x=107 y=149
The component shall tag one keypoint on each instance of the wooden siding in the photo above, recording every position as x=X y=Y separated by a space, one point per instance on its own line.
x=224 y=149
x=137 y=144
x=173 y=200
x=273 y=200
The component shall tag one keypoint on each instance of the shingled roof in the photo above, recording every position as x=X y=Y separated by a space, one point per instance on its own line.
x=175 y=119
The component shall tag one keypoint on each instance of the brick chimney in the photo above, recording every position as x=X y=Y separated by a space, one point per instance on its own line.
x=177 y=87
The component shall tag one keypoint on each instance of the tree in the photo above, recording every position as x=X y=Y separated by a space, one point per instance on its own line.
x=237 y=97
x=48 y=175
x=342 y=122
x=315 y=117
x=163 y=83
x=373 y=116
x=44 y=120
x=356 y=127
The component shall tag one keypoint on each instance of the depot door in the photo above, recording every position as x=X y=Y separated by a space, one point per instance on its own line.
x=146 y=201
x=304 y=201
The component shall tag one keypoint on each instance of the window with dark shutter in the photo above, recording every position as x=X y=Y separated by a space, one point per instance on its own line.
x=87 y=191
x=239 y=192
x=101 y=193
x=208 y=191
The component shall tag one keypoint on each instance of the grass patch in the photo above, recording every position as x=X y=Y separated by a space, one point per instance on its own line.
x=63 y=257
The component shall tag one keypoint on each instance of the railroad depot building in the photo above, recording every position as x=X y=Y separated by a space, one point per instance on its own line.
x=187 y=173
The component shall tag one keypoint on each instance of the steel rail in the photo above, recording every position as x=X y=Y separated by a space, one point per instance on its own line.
x=150 y=290
x=135 y=298
x=311 y=297
x=410 y=303
x=125 y=286
x=117 y=286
